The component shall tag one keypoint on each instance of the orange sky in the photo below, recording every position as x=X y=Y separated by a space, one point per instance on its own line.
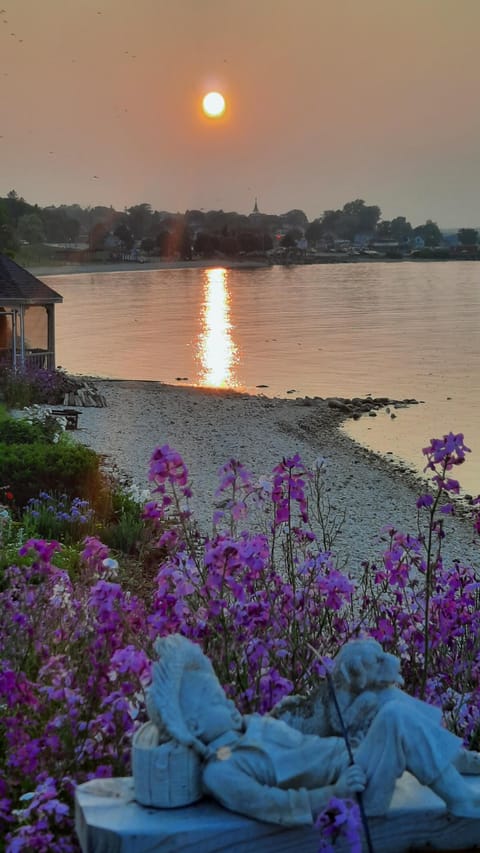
x=328 y=100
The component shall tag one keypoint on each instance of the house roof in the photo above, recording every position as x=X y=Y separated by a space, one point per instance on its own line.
x=20 y=287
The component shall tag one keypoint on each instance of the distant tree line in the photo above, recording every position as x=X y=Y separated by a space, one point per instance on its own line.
x=201 y=233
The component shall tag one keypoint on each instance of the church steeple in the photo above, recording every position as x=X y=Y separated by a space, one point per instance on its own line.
x=255 y=206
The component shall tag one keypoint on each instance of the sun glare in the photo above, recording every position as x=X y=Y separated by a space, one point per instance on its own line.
x=213 y=105
x=217 y=351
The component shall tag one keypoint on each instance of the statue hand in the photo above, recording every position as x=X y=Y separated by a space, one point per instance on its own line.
x=352 y=780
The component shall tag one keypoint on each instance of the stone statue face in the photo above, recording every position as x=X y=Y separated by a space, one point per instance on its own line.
x=208 y=712
x=363 y=665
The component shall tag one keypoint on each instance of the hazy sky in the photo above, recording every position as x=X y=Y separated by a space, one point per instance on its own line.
x=328 y=100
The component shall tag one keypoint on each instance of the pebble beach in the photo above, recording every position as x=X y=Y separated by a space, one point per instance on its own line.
x=209 y=427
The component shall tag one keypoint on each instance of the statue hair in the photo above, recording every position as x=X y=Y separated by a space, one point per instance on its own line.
x=178 y=657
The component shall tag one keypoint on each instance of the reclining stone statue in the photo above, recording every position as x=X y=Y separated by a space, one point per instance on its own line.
x=271 y=770
x=364 y=678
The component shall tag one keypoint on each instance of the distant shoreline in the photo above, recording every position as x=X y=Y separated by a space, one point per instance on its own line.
x=43 y=270
x=127 y=266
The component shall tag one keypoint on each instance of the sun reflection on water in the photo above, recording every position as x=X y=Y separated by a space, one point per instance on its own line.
x=217 y=351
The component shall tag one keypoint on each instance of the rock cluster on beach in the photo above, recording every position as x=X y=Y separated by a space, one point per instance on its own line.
x=355 y=407
x=358 y=406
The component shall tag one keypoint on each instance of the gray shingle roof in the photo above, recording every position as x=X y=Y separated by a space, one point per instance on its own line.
x=20 y=287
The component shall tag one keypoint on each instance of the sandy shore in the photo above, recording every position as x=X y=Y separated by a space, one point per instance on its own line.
x=208 y=427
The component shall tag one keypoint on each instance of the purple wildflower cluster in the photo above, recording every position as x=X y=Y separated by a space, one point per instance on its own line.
x=71 y=689
x=339 y=821
x=251 y=599
x=259 y=594
x=34 y=385
x=58 y=517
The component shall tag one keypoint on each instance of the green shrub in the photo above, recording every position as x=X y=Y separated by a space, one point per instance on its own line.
x=125 y=530
x=64 y=467
x=69 y=558
x=13 y=431
x=125 y=534
x=17 y=390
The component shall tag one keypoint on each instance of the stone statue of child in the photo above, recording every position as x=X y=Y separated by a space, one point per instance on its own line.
x=365 y=678
x=263 y=768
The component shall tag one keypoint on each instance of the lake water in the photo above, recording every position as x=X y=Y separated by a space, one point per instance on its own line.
x=386 y=329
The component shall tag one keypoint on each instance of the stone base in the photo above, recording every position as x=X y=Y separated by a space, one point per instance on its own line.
x=108 y=820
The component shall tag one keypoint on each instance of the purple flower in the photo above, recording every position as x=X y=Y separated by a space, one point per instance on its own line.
x=43 y=549
x=340 y=821
x=424 y=500
x=132 y=660
x=166 y=465
x=447 y=509
x=447 y=451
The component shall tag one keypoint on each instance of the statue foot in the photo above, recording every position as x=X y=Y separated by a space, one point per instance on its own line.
x=465 y=808
x=459 y=797
x=468 y=762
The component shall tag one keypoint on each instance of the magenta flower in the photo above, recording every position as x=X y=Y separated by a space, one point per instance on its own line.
x=44 y=550
x=424 y=500
x=340 y=821
x=447 y=451
x=167 y=466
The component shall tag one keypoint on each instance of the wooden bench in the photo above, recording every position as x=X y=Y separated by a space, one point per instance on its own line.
x=71 y=416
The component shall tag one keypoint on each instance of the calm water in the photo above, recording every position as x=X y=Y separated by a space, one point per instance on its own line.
x=401 y=330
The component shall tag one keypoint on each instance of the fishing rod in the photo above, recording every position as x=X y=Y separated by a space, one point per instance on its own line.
x=358 y=794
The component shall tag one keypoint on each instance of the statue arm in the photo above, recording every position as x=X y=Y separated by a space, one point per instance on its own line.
x=240 y=792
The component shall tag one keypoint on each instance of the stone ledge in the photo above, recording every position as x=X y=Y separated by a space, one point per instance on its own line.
x=108 y=820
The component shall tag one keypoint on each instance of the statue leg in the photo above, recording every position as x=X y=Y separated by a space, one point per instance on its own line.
x=400 y=739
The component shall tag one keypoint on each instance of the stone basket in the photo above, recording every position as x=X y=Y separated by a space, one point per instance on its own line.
x=165 y=775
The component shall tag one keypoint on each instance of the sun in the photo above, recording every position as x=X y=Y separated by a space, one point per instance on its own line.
x=213 y=105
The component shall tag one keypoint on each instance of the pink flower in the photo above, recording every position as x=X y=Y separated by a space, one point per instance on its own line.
x=166 y=465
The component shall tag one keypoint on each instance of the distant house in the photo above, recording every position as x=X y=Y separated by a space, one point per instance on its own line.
x=27 y=318
x=417 y=242
x=112 y=243
x=362 y=239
